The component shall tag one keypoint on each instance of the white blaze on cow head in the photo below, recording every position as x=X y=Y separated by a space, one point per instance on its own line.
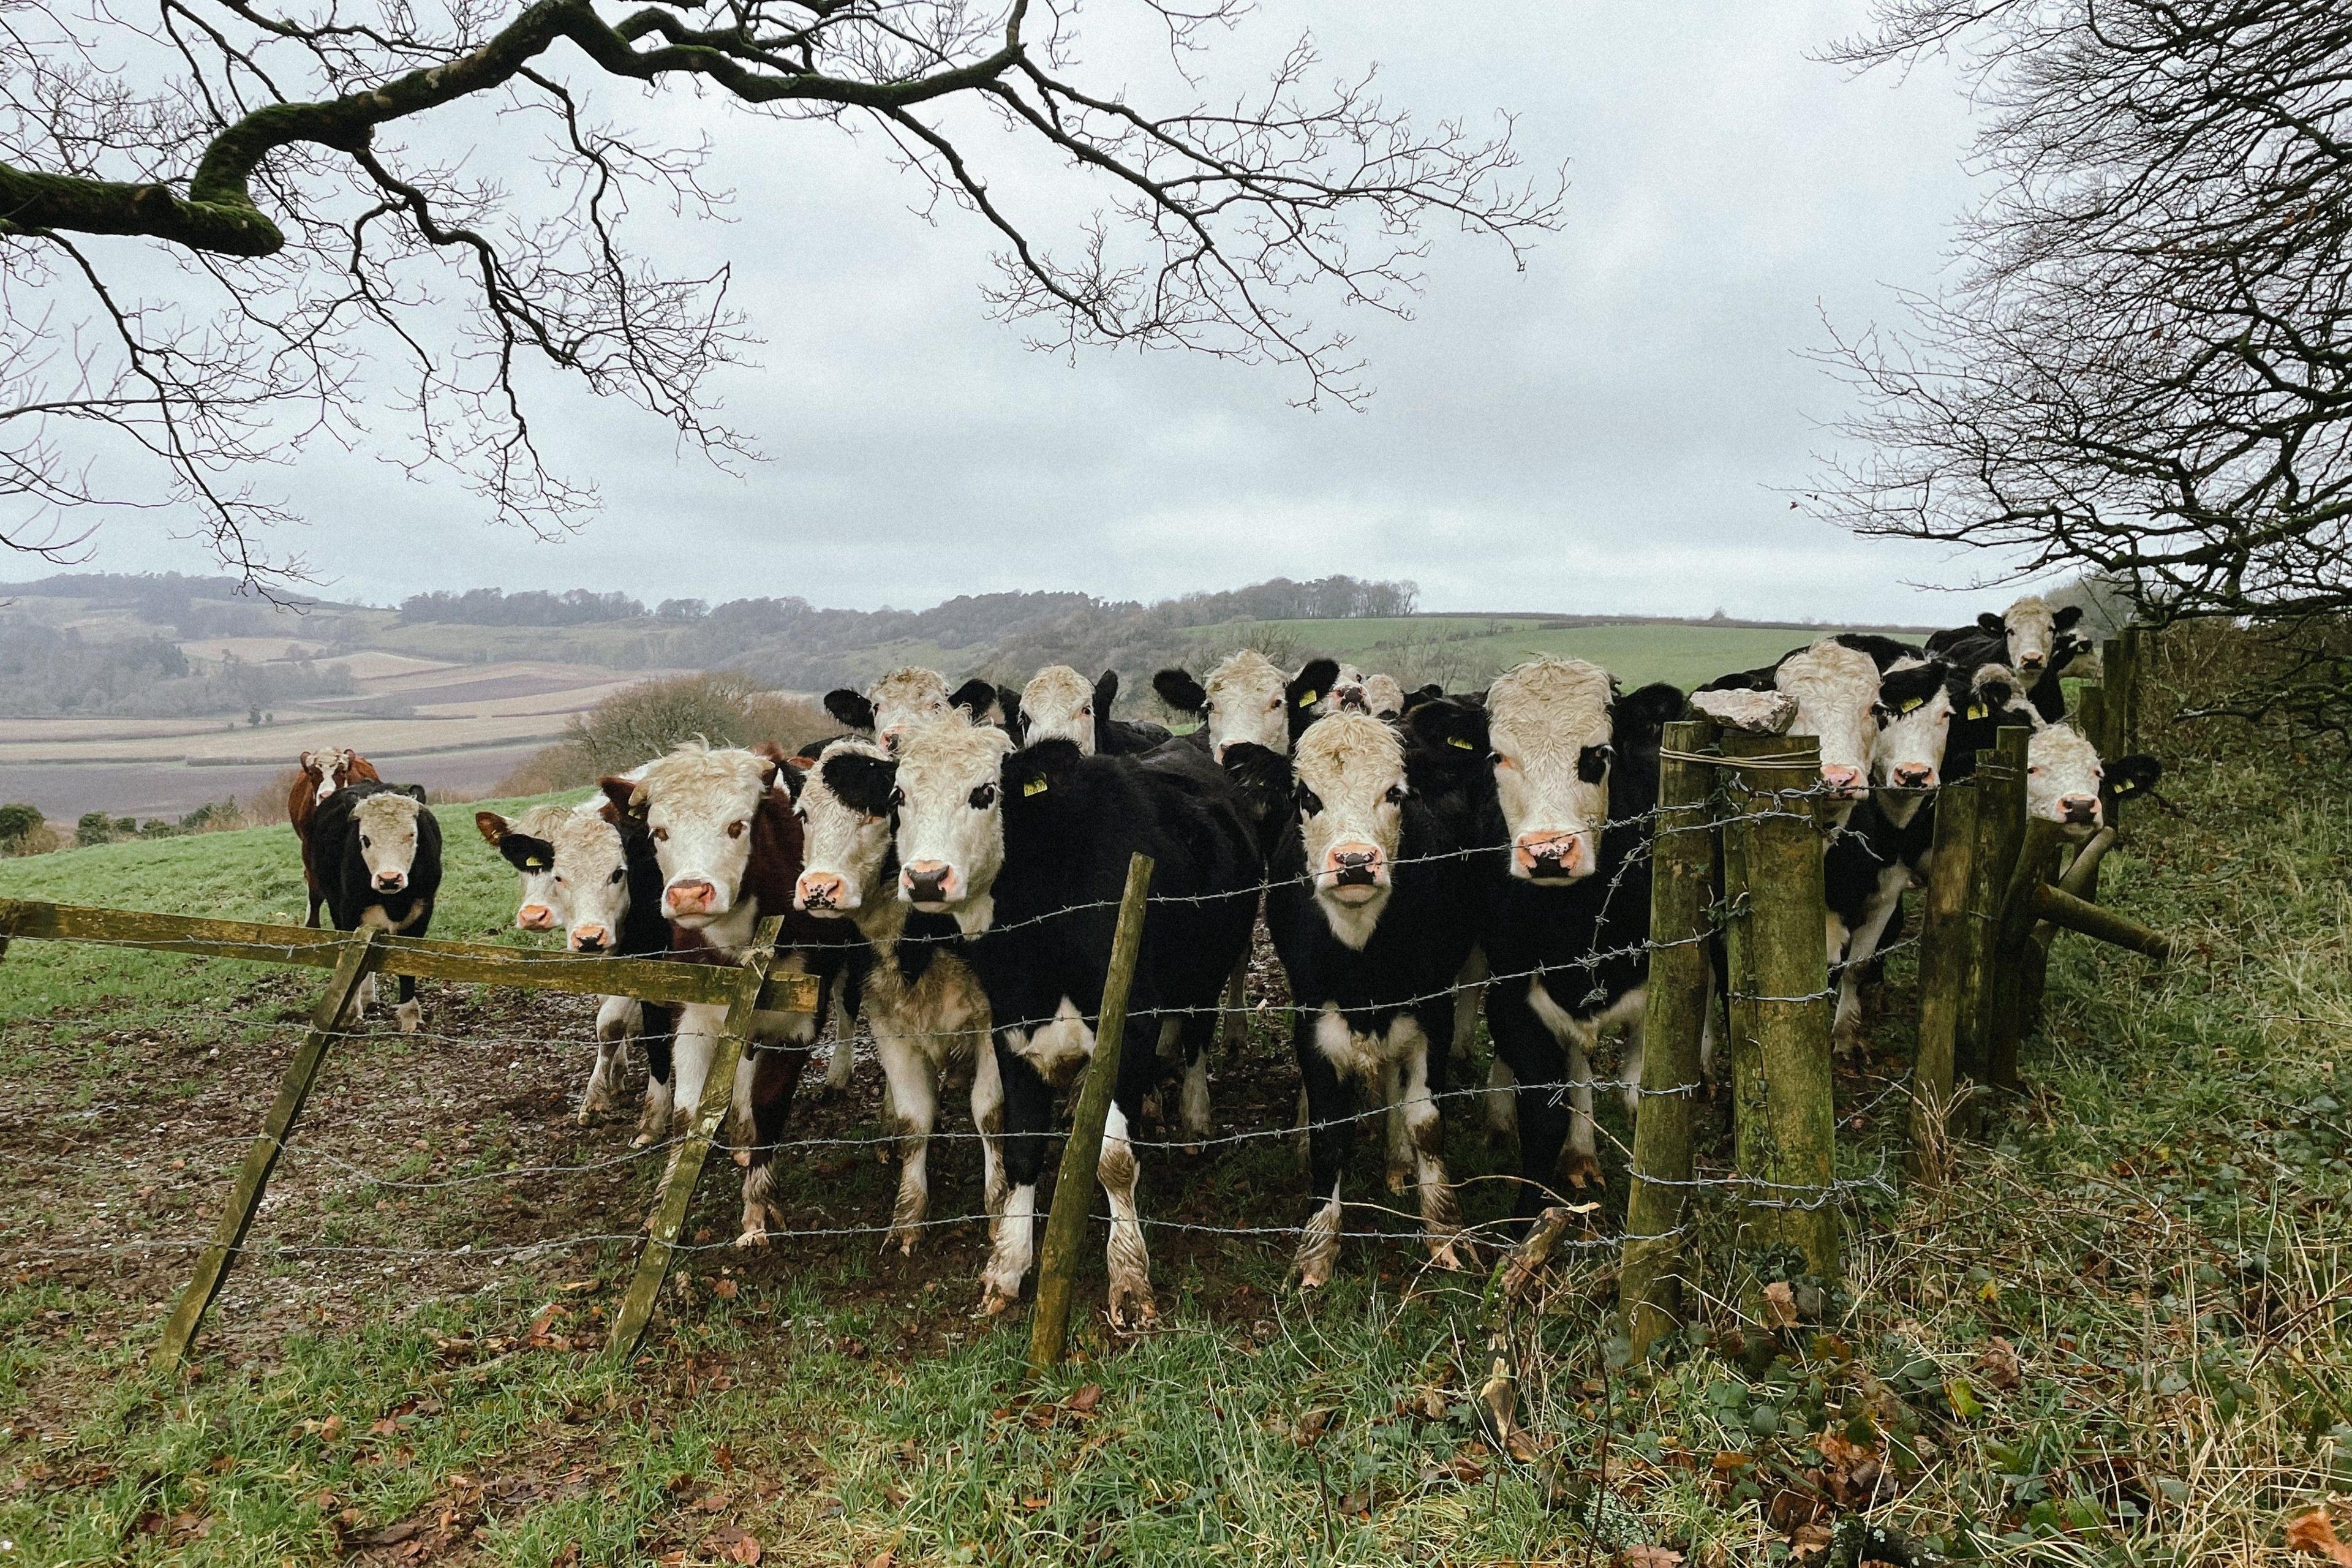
x=1058 y=705
x=947 y=794
x=1548 y=729
x=527 y=843
x=329 y=768
x=1913 y=716
x=2036 y=634
x=698 y=804
x=387 y=824
x=845 y=812
x=1350 y=769
x=2063 y=775
x=1383 y=697
x=1248 y=699
x=1835 y=688
x=591 y=876
x=894 y=704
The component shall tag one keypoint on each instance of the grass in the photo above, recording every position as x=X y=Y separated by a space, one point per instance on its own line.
x=2119 y=1332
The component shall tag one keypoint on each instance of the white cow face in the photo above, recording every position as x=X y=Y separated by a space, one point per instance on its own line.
x=528 y=843
x=329 y=769
x=951 y=819
x=698 y=804
x=1351 y=790
x=1248 y=700
x=591 y=880
x=2063 y=775
x=845 y=812
x=387 y=824
x=1914 y=715
x=1347 y=693
x=905 y=698
x=2036 y=634
x=1059 y=705
x=1835 y=688
x=1549 y=725
x=1383 y=697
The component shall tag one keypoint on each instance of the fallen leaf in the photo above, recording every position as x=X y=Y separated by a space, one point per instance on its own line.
x=1082 y=1402
x=1807 y=1539
x=723 y=1288
x=732 y=1545
x=1647 y=1557
x=1780 y=1304
x=2313 y=1535
x=1998 y=1367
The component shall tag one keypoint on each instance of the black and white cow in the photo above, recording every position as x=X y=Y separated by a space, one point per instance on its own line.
x=898 y=702
x=926 y=1007
x=1834 y=684
x=1565 y=804
x=1247 y=697
x=729 y=846
x=2065 y=774
x=2032 y=637
x=1374 y=909
x=378 y=851
x=1058 y=704
x=1029 y=851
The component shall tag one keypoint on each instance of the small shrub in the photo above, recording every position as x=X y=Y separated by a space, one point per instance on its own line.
x=18 y=820
x=95 y=828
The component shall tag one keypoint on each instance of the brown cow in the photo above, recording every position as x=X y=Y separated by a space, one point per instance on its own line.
x=324 y=772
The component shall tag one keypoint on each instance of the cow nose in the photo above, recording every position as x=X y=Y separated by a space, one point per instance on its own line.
x=590 y=939
x=1550 y=854
x=928 y=881
x=1845 y=783
x=1352 y=700
x=818 y=891
x=535 y=916
x=1354 y=866
x=891 y=737
x=1914 y=775
x=2030 y=660
x=687 y=897
x=388 y=881
x=2082 y=809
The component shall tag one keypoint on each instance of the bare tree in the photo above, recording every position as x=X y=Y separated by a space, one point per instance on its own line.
x=2145 y=366
x=312 y=255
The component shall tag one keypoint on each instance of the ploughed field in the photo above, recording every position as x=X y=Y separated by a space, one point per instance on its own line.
x=2120 y=1332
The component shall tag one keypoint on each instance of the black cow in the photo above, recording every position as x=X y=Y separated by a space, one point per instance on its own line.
x=378 y=851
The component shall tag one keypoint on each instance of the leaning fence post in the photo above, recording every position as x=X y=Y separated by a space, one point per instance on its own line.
x=2018 y=993
x=1682 y=867
x=676 y=1193
x=1074 y=1185
x=1779 y=981
x=1943 y=973
x=360 y=956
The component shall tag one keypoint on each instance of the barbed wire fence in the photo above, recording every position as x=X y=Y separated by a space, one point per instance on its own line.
x=1734 y=851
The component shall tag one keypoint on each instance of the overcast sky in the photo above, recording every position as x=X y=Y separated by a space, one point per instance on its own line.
x=1608 y=431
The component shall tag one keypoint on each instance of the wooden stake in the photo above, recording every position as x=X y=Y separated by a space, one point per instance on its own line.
x=670 y=1205
x=1681 y=866
x=1785 y=981
x=2063 y=908
x=1943 y=971
x=358 y=957
x=2002 y=820
x=1074 y=1185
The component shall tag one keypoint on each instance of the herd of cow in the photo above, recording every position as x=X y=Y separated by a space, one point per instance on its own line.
x=950 y=870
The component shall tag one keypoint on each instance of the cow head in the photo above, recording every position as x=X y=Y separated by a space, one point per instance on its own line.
x=1383 y=697
x=2063 y=774
x=592 y=870
x=698 y=803
x=1913 y=718
x=329 y=768
x=1835 y=688
x=526 y=844
x=1347 y=692
x=847 y=813
x=894 y=704
x=948 y=792
x=387 y=824
x=1351 y=790
x=1248 y=698
x=1058 y=705
x=1550 y=739
x=2037 y=636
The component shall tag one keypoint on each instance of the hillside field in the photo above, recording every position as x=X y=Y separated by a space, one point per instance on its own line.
x=2121 y=1331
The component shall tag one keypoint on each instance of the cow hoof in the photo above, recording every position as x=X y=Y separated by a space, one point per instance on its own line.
x=755 y=1233
x=1315 y=1276
x=1452 y=1253
x=1849 y=1038
x=1581 y=1169
x=585 y=1117
x=410 y=1016
x=995 y=1303
x=642 y=1141
x=1399 y=1179
x=1132 y=1308
x=904 y=1240
x=742 y=1157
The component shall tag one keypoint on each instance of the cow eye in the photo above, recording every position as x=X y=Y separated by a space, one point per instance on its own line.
x=1309 y=803
x=661 y=835
x=1500 y=761
x=897 y=797
x=735 y=829
x=1396 y=795
x=1273 y=704
x=983 y=796
x=618 y=872
x=1593 y=763
x=365 y=842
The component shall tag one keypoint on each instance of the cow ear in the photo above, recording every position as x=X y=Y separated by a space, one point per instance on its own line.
x=525 y=853
x=1177 y=688
x=1008 y=703
x=1106 y=693
x=1640 y=717
x=413 y=792
x=770 y=750
x=2130 y=775
x=1311 y=684
x=851 y=708
x=492 y=826
x=789 y=776
x=621 y=793
x=1989 y=622
x=2066 y=617
x=1442 y=726
x=1743 y=681
x=862 y=782
x=975 y=697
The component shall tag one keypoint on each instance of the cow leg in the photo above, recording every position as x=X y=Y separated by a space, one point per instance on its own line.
x=844 y=1061
x=408 y=1013
x=317 y=899
x=1128 y=1260
x=913 y=1078
x=1470 y=988
x=1195 y=1031
x=660 y=1042
x=1235 y=1015
x=1441 y=1214
x=988 y=1117
x=1329 y=1108
x=1028 y=1114
x=775 y=1074
x=1536 y=1065
x=617 y=1019
x=698 y=1041
x=1299 y=1140
x=1397 y=1136
x=1501 y=1099
x=1847 y=1033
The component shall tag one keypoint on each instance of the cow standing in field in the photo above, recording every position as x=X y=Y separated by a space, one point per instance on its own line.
x=321 y=773
x=1373 y=909
x=2032 y=637
x=379 y=856
x=592 y=868
x=1058 y=705
x=1029 y=851
x=926 y=1007
x=729 y=850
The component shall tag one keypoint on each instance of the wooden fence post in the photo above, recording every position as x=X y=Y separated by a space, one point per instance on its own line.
x=1682 y=872
x=359 y=956
x=2018 y=993
x=636 y=1314
x=2000 y=827
x=1781 y=978
x=1943 y=974
x=1074 y=1184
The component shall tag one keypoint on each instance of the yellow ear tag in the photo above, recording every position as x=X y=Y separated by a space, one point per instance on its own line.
x=1306 y=698
x=534 y=863
x=1035 y=786
x=1458 y=740
x=1909 y=706
x=1976 y=709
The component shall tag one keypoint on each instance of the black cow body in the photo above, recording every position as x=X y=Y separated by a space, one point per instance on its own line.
x=353 y=900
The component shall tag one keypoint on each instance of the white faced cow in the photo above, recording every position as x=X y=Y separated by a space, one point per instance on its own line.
x=379 y=856
x=2032 y=637
x=2064 y=776
x=1247 y=697
x=890 y=707
x=1834 y=686
x=924 y=1005
x=321 y=773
